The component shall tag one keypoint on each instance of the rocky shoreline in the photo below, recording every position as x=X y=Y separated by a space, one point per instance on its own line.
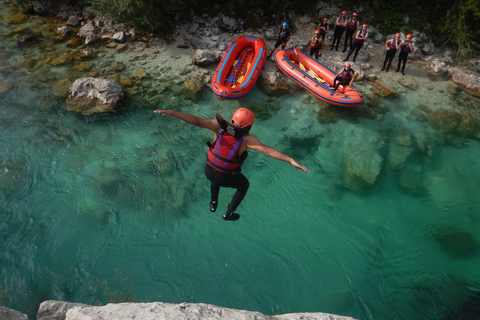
x=147 y=67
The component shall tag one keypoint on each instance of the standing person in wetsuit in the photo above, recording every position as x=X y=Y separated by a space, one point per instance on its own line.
x=324 y=28
x=316 y=45
x=392 y=46
x=340 y=25
x=344 y=77
x=405 y=48
x=360 y=37
x=283 y=37
x=225 y=155
x=352 y=27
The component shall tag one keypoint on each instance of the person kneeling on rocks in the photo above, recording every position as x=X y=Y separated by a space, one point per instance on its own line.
x=344 y=77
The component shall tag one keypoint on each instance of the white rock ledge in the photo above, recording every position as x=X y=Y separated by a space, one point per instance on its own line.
x=59 y=310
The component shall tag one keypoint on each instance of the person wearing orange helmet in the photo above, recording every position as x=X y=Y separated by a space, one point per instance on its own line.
x=392 y=46
x=360 y=37
x=344 y=77
x=340 y=25
x=226 y=154
x=352 y=27
x=405 y=48
x=316 y=45
x=324 y=28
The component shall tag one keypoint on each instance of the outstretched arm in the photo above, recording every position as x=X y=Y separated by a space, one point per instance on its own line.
x=253 y=143
x=191 y=119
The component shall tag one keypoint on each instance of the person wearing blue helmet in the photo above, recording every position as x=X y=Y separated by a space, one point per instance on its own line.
x=282 y=39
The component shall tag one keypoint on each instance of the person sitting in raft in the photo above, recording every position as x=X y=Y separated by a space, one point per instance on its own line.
x=360 y=37
x=392 y=46
x=324 y=28
x=344 y=77
x=226 y=154
x=316 y=45
x=283 y=37
x=405 y=48
x=352 y=27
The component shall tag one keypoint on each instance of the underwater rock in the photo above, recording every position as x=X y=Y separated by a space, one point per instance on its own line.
x=74 y=42
x=327 y=114
x=403 y=138
x=361 y=166
x=60 y=88
x=444 y=120
x=397 y=155
x=62 y=60
x=5 y=86
x=87 y=55
x=260 y=110
x=466 y=127
x=384 y=91
x=16 y=18
x=192 y=89
x=94 y=95
x=451 y=87
x=63 y=31
x=408 y=82
x=411 y=181
x=456 y=243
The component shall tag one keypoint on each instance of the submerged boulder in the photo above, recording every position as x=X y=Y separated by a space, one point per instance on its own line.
x=94 y=95
x=468 y=82
x=383 y=90
x=361 y=166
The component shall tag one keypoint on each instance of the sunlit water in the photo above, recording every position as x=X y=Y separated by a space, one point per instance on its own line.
x=115 y=208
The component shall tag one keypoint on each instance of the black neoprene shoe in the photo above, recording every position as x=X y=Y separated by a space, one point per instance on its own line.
x=213 y=206
x=232 y=216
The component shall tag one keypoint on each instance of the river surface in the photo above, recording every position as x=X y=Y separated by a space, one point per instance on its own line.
x=112 y=208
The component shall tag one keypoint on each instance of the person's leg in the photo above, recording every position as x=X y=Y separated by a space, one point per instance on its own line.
x=240 y=182
x=358 y=46
x=404 y=63
x=351 y=50
x=400 y=58
x=312 y=51
x=215 y=179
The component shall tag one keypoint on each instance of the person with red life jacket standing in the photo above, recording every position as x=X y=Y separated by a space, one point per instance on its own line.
x=340 y=25
x=226 y=154
x=392 y=46
x=316 y=45
x=324 y=28
x=360 y=37
x=352 y=27
x=405 y=48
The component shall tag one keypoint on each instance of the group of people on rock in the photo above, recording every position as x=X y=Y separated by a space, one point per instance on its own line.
x=355 y=37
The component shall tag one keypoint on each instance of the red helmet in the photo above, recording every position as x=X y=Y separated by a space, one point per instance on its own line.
x=243 y=117
x=317 y=31
x=365 y=25
x=397 y=35
x=348 y=64
x=354 y=14
x=408 y=36
x=325 y=19
x=344 y=12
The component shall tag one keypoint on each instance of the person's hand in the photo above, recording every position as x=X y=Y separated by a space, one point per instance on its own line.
x=168 y=113
x=297 y=165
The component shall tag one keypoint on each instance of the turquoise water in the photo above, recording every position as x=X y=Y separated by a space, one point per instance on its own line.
x=115 y=207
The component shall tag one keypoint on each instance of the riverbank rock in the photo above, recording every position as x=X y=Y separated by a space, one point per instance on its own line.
x=468 y=82
x=206 y=57
x=94 y=95
x=56 y=310
x=383 y=90
x=9 y=314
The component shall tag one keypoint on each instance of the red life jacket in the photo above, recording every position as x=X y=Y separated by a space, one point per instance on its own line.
x=393 y=45
x=346 y=75
x=352 y=24
x=324 y=29
x=222 y=154
x=407 y=46
x=315 y=43
x=360 y=36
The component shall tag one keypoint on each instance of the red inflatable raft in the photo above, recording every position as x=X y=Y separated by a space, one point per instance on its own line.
x=316 y=78
x=240 y=67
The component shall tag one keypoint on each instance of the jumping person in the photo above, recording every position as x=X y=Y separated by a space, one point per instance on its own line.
x=340 y=25
x=392 y=46
x=316 y=44
x=405 y=48
x=225 y=155
x=344 y=77
x=352 y=27
x=360 y=37
x=324 y=28
x=282 y=39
